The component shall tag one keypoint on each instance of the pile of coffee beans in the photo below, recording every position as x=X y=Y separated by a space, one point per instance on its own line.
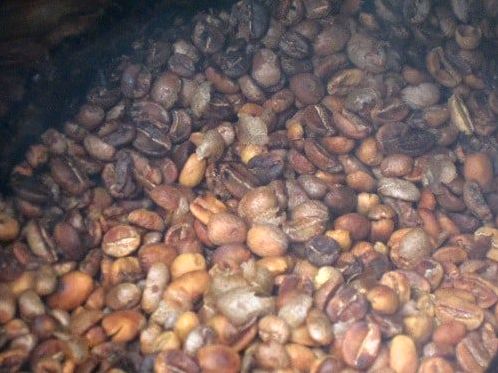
x=286 y=186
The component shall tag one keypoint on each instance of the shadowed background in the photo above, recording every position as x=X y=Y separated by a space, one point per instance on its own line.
x=53 y=51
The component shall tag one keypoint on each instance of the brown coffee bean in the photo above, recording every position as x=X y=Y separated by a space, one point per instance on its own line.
x=120 y=241
x=356 y=224
x=471 y=354
x=396 y=165
x=146 y=219
x=361 y=344
x=435 y=364
x=123 y=296
x=165 y=90
x=383 y=299
x=73 y=289
x=414 y=246
x=403 y=354
x=399 y=283
x=347 y=305
x=266 y=68
x=342 y=199
x=9 y=227
x=319 y=327
x=69 y=241
x=152 y=253
x=225 y=228
x=175 y=360
x=453 y=308
x=322 y=250
x=99 y=149
x=308 y=219
x=123 y=326
x=478 y=168
x=317 y=155
x=449 y=333
x=193 y=171
x=483 y=290
x=266 y=240
x=214 y=358
x=274 y=328
x=307 y=88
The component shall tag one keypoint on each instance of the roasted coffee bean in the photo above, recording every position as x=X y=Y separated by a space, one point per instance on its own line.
x=361 y=344
x=322 y=250
x=208 y=38
x=181 y=65
x=294 y=45
x=347 y=305
x=266 y=167
x=135 y=81
x=399 y=138
x=252 y=17
x=233 y=64
x=281 y=185
x=307 y=88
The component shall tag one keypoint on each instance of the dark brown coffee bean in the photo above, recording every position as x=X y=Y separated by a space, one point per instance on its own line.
x=299 y=162
x=181 y=65
x=149 y=112
x=237 y=179
x=322 y=250
x=166 y=89
x=317 y=155
x=347 y=305
x=292 y=66
x=135 y=81
x=318 y=121
x=341 y=199
x=331 y=40
x=69 y=241
x=175 y=360
x=294 y=45
x=123 y=135
x=314 y=187
x=233 y=64
x=29 y=188
x=151 y=140
x=68 y=176
x=289 y=12
x=208 y=38
x=181 y=126
x=266 y=167
x=307 y=88
x=10 y=267
x=355 y=223
x=399 y=138
x=252 y=19
x=475 y=202
x=157 y=55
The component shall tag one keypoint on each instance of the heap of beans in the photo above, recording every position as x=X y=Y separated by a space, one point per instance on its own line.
x=290 y=186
